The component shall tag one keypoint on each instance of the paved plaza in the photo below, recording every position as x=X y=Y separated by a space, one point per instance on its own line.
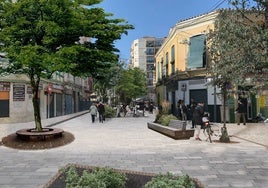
x=127 y=143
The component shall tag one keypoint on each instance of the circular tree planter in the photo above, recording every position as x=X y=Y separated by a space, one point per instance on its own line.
x=45 y=134
x=31 y=139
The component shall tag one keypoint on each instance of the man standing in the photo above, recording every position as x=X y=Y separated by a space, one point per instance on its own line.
x=197 y=118
x=241 y=111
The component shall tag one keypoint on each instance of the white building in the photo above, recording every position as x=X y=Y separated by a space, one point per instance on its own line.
x=142 y=52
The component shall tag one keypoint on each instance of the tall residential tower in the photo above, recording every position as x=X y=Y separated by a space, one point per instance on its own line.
x=142 y=56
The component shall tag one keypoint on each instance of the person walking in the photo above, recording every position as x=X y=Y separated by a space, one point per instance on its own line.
x=101 y=110
x=197 y=118
x=93 y=111
x=241 y=111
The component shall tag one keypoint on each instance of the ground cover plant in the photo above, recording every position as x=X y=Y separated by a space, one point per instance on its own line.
x=105 y=177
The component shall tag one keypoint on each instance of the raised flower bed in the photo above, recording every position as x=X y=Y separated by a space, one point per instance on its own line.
x=133 y=179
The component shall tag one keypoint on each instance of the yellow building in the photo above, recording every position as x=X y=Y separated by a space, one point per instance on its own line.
x=181 y=64
x=181 y=71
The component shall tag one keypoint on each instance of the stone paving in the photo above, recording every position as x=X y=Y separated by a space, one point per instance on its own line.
x=127 y=143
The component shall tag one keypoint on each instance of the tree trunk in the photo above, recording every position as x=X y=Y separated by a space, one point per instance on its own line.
x=224 y=133
x=37 y=117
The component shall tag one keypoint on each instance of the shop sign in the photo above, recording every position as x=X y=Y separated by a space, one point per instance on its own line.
x=18 y=92
x=4 y=86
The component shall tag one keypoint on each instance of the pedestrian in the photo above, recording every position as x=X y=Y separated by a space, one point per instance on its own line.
x=101 y=110
x=241 y=110
x=128 y=110
x=192 y=106
x=93 y=111
x=124 y=109
x=184 y=111
x=179 y=109
x=118 y=109
x=151 y=108
x=197 y=118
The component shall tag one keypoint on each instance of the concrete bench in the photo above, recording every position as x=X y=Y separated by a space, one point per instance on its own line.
x=171 y=132
x=177 y=124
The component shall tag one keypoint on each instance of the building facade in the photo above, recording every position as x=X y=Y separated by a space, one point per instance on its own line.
x=61 y=95
x=142 y=56
x=181 y=64
x=181 y=71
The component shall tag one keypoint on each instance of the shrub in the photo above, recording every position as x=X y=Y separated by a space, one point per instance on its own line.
x=165 y=119
x=99 y=178
x=168 y=180
x=90 y=180
x=111 y=178
x=109 y=112
x=72 y=177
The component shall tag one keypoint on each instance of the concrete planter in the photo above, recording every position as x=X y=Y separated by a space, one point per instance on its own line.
x=134 y=179
x=177 y=134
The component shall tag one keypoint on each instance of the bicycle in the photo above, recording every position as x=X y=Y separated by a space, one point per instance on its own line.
x=210 y=129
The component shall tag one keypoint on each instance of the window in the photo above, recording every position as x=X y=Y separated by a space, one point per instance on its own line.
x=172 y=62
x=197 y=52
x=163 y=68
x=149 y=82
x=150 y=75
x=150 y=59
x=150 y=51
x=149 y=43
x=158 y=43
x=150 y=67
x=159 y=70
x=166 y=63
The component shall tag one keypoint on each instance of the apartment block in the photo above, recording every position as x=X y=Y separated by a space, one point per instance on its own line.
x=143 y=51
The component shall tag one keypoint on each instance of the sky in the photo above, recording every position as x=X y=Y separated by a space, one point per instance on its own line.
x=155 y=17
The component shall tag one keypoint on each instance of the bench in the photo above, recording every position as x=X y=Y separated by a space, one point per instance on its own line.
x=176 y=134
x=33 y=134
x=177 y=124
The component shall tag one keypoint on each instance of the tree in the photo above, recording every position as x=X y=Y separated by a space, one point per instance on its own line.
x=238 y=49
x=131 y=84
x=40 y=37
x=107 y=82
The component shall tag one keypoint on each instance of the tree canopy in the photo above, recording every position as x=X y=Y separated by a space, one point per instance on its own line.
x=39 y=37
x=238 y=49
x=131 y=84
x=238 y=46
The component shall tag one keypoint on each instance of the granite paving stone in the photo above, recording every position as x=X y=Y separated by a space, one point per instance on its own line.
x=127 y=143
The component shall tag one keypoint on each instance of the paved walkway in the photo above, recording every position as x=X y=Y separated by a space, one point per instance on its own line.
x=127 y=143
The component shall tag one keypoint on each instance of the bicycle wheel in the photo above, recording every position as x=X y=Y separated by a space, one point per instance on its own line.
x=209 y=132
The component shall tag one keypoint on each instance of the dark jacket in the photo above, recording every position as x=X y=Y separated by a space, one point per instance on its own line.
x=101 y=108
x=242 y=108
x=198 y=114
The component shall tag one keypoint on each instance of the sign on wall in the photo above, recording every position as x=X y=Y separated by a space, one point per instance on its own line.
x=18 y=92
x=4 y=86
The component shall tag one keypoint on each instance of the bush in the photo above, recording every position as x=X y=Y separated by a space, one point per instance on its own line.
x=165 y=119
x=99 y=178
x=109 y=112
x=168 y=180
